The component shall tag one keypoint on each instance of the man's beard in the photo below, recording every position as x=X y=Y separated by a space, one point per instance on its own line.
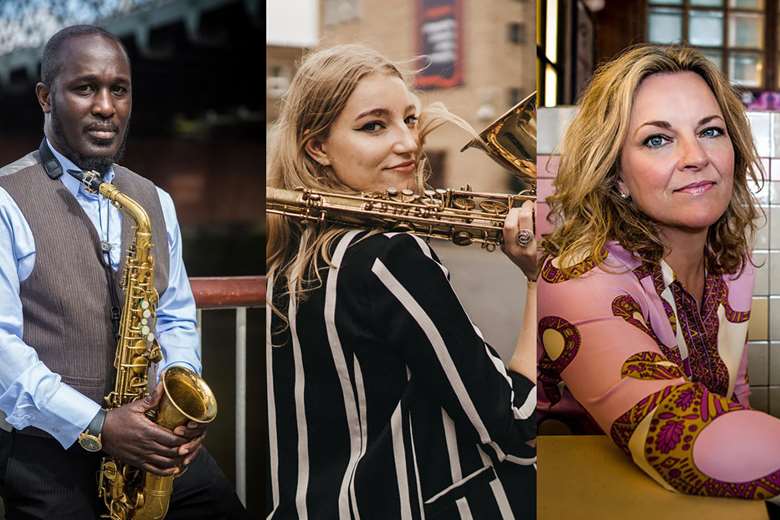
x=99 y=164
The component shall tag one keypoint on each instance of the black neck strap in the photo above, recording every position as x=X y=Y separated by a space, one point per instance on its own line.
x=50 y=163
x=53 y=169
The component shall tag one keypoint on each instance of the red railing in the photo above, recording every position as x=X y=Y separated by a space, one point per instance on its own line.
x=228 y=292
x=239 y=293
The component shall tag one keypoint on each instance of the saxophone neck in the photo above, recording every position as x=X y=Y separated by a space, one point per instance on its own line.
x=128 y=206
x=93 y=182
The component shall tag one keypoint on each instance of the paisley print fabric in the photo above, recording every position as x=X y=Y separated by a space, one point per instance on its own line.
x=552 y=274
x=623 y=427
x=561 y=341
x=664 y=376
x=679 y=415
x=700 y=330
x=651 y=366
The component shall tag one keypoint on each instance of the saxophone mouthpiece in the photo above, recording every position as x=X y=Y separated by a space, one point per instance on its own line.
x=91 y=179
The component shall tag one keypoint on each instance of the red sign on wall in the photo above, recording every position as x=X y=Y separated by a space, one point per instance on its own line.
x=440 y=38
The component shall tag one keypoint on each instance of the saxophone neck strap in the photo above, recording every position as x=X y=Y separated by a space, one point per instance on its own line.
x=50 y=163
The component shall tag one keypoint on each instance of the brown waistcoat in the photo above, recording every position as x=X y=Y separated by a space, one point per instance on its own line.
x=66 y=300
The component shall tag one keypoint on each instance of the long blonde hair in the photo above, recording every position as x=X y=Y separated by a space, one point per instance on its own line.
x=317 y=95
x=587 y=208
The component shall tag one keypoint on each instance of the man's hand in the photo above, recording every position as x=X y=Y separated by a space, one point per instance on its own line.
x=129 y=435
x=195 y=434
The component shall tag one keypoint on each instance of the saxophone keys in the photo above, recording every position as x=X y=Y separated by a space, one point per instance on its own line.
x=145 y=330
x=430 y=198
x=495 y=207
x=140 y=499
x=140 y=365
x=462 y=238
x=155 y=355
x=465 y=203
x=408 y=195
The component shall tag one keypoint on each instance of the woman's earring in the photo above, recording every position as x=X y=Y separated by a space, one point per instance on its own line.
x=621 y=189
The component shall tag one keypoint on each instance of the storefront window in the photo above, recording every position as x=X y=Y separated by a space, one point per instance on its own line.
x=665 y=25
x=746 y=69
x=746 y=30
x=747 y=4
x=729 y=33
x=705 y=28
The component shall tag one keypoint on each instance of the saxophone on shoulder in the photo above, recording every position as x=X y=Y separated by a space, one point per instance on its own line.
x=461 y=216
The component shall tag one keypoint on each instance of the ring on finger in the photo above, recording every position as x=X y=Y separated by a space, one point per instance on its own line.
x=524 y=237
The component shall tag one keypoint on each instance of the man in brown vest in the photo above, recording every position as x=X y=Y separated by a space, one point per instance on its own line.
x=60 y=250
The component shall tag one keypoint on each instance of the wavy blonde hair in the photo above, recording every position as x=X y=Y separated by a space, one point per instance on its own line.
x=317 y=95
x=587 y=208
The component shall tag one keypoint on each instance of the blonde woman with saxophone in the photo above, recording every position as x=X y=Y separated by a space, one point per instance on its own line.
x=383 y=399
x=61 y=248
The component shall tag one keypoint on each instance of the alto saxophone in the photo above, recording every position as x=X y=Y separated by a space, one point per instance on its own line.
x=461 y=216
x=130 y=493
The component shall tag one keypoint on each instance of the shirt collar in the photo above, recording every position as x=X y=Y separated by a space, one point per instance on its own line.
x=73 y=185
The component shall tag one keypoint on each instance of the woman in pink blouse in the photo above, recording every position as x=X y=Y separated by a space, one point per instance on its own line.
x=645 y=293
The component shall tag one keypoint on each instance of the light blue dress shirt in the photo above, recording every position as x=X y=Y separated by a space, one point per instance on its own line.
x=30 y=393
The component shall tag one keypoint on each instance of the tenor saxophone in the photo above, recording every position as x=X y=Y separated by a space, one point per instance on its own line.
x=130 y=493
x=461 y=216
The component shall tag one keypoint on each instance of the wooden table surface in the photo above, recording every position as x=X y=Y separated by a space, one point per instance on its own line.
x=587 y=477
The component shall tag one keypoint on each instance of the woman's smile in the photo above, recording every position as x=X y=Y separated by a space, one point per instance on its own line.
x=677 y=162
x=696 y=188
x=404 y=167
x=373 y=143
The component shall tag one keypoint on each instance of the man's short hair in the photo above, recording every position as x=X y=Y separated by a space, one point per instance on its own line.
x=51 y=62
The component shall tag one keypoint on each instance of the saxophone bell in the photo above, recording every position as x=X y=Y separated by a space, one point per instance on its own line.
x=186 y=397
x=510 y=140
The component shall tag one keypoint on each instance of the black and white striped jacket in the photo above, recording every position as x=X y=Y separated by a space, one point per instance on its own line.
x=385 y=402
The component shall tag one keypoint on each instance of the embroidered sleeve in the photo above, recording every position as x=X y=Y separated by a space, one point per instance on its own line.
x=598 y=338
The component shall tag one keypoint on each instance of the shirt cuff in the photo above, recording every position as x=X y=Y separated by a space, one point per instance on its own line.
x=70 y=412
x=165 y=366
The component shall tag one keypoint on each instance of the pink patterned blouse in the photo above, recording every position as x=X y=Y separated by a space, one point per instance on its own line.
x=624 y=345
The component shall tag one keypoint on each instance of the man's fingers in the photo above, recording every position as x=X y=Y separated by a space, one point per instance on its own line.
x=153 y=399
x=163 y=472
x=161 y=462
x=189 y=458
x=163 y=450
x=162 y=436
x=191 y=430
x=191 y=446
